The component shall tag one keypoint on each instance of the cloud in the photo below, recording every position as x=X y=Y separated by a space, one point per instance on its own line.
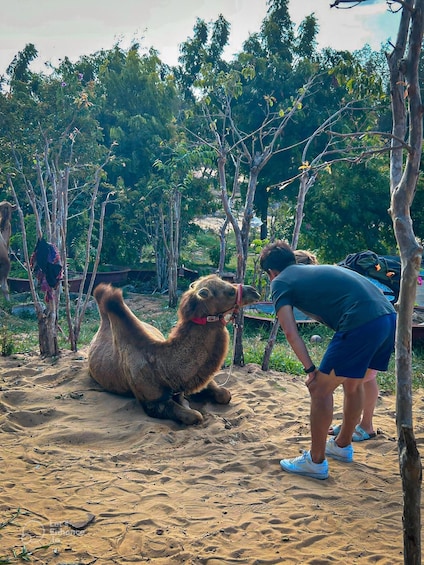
x=369 y=23
x=58 y=28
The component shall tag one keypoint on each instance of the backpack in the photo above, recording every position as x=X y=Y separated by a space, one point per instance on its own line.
x=386 y=270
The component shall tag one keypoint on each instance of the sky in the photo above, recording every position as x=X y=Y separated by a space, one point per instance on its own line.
x=72 y=28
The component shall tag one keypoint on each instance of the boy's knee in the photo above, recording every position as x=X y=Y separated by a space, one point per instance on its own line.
x=323 y=384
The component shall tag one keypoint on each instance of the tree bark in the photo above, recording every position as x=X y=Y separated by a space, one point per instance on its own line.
x=47 y=328
x=222 y=247
x=270 y=344
x=411 y=473
x=407 y=112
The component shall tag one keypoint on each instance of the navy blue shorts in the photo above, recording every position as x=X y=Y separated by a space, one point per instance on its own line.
x=370 y=346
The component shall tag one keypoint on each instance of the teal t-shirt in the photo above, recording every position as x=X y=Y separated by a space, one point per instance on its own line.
x=335 y=296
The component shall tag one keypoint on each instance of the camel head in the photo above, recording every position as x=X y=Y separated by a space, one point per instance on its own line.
x=210 y=297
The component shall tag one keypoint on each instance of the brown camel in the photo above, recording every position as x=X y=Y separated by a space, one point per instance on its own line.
x=128 y=356
x=6 y=210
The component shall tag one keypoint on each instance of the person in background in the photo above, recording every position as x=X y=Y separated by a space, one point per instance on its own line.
x=364 y=324
x=365 y=428
x=304 y=257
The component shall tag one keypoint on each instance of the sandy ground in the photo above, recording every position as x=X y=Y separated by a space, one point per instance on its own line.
x=94 y=480
x=87 y=477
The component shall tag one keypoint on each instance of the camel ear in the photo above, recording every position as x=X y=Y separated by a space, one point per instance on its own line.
x=203 y=293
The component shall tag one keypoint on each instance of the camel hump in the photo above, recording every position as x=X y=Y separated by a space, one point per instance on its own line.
x=6 y=210
x=7 y=205
x=109 y=298
x=126 y=324
x=100 y=291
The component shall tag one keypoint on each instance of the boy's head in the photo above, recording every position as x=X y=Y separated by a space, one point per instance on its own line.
x=276 y=256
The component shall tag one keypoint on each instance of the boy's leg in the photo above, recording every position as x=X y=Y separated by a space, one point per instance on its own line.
x=370 y=400
x=352 y=409
x=321 y=390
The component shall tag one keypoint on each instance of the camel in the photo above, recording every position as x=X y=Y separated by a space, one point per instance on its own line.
x=129 y=356
x=6 y=210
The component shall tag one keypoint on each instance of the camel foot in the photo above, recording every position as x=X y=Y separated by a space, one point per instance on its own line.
x=212 y=393
x=172 y=410
x=222 y=395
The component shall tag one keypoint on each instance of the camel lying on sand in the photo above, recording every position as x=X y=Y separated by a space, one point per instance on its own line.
x=6 y=210
x=128 y=356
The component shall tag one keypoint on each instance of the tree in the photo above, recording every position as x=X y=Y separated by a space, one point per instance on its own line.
x=171 y=190
x=244 y=123
x=136 y=105
x=253 y=149
x=54 y=164
x=407 y=120
x=405 y=158
x=204 y=48
x=282 y=61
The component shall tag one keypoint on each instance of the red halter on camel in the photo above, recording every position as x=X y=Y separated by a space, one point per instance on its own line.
x=224 y=317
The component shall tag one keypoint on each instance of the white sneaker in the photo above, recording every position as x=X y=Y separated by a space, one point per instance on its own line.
x=344 y=454
x=303 y=465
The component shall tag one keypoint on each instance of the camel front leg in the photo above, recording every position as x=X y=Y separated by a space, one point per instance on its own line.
x=214 y=393
x=172 y=410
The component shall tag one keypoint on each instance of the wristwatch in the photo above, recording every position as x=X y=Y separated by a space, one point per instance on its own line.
x=311 y=369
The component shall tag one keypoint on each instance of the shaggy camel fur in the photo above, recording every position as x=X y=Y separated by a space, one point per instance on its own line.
x=6 y=210
x=128 y=356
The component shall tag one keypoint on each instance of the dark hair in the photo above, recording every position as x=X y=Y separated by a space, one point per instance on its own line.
x=277 y=256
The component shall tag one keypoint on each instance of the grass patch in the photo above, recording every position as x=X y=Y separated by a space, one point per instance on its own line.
x=20 y=335
x=23 y=554
x=283 y=359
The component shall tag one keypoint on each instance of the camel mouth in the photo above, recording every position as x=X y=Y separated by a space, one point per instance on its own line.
x=249 y=295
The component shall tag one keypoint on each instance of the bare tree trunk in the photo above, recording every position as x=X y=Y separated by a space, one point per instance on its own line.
x=174 y=256
x=83 y=300
x=171 y=243
x=48 y=196
x=227 y=208
x=161 y=264
x=238 y=325
x=47 y=327
x=270 y=344
x=222 y=247
x=407 y=112
x=242 y=253
x=256 y=159
x=238 y=358
x=46 y=317
x=305 y=183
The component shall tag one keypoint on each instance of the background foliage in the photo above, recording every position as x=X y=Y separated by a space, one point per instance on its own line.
x=149 y=113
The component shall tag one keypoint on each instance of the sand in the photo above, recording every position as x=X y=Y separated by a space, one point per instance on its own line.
x=87 y=477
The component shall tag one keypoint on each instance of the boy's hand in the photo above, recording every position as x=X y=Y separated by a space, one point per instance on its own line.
x=311 y=377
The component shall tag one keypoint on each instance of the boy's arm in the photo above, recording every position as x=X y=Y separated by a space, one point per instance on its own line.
x=288 y=324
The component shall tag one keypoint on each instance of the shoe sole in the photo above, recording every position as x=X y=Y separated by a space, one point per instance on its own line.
x=319 y=476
